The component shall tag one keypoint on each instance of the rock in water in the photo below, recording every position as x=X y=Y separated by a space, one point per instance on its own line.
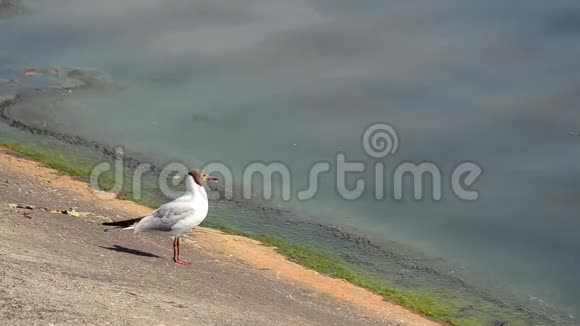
x=10 y=8
x=499 y=323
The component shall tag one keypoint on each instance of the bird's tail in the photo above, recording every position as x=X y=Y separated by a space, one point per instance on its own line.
x=126 y=224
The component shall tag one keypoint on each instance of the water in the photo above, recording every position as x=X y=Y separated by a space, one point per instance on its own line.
x=297 y=82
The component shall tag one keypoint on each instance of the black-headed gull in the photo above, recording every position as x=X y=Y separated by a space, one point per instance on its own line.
x=175 y=217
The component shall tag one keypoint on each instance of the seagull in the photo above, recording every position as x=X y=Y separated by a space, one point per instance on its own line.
x=574 y=133
x=176 y=217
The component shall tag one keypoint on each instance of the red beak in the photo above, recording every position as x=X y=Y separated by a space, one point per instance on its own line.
x=210 y=178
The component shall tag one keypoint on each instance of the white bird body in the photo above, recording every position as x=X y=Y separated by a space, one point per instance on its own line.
x=179 y=215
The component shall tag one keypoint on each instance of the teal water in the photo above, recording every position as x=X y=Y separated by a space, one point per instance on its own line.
x=483 y=81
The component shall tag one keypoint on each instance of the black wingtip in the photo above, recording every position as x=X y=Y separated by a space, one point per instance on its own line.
x=123 y=224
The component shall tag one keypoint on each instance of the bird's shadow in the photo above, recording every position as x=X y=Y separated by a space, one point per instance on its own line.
x=130 y=251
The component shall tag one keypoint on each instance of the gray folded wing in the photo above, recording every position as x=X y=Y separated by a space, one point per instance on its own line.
x=165 y=217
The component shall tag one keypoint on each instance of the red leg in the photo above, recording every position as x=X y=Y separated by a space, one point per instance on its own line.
x=176 y=253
